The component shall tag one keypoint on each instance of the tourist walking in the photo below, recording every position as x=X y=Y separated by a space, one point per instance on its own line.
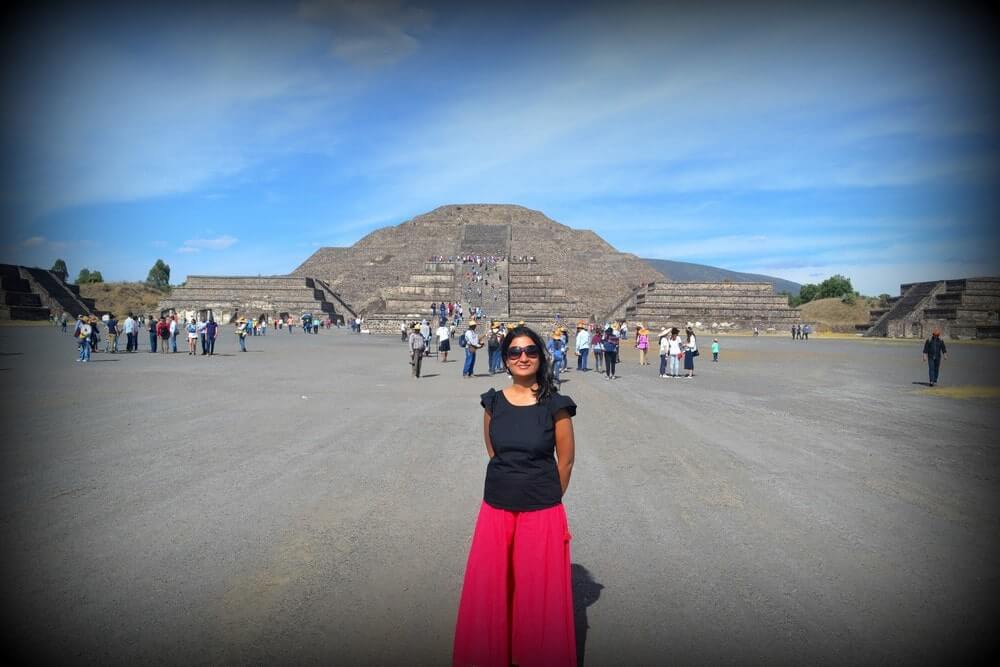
x=582 y=346
x=557 y=350
x=470 y=341
x=715 y=349
x=95 y=333
x=610 y=343
x=241 y=333
x=211 y=333
x=516 y=604
x=493 y=348
x=690 y=352
x=642 y=344
x=444 y=342
x=112 y=340
x=83 y=331
x=416 y=345
x=934 y=350
x=597 y=346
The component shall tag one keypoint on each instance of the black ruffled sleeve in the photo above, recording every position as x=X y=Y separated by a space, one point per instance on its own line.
x=488 y=400
x=559 y=402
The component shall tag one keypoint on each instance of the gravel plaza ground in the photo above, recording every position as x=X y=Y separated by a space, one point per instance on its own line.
x=309 y=502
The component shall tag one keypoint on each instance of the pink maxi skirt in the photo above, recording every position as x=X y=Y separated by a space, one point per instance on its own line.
x=517 y=598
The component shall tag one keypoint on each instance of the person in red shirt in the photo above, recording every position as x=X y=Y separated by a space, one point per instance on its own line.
x=163 y=333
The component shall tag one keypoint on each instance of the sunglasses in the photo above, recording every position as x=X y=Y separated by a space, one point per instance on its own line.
x=530 y=350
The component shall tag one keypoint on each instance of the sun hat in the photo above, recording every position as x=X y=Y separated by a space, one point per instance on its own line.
x=416 y=327
x=556 y=335
x=664 y=332
x=643 y=332
x=472 y=323
x=521 y=323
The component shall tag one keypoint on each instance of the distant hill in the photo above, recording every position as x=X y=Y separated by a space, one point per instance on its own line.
x=688 y=272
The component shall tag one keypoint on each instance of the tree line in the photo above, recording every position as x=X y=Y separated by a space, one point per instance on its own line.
x=157 y=278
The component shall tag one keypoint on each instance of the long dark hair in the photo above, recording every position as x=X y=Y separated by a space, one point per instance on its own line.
x=546 y=381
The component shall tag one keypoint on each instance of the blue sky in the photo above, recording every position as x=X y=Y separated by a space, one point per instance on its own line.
x=798 y=140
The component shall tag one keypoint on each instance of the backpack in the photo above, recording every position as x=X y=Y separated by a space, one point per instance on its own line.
x=462 y=341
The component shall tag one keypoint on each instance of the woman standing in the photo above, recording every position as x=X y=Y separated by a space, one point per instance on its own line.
x=192 y=336
x=642 y=342
x=675 y=352
x=690 y=351
x=664 y=351
x=610 y=343
x=517 y=599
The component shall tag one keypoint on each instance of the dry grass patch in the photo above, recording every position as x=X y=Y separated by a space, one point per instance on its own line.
x=122 y=298
x=963 y=391
x=835 y=315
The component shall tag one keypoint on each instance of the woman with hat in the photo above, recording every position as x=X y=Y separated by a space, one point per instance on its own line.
x=664 y=351
x=642 y=343
x=471 y=345
x=517 y=600
x=416 y=345
x=241 y=333
x=557 y=349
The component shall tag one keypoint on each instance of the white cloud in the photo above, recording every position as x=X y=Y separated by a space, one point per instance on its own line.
x=33 y=241
x=217 y=243
x=368 y=32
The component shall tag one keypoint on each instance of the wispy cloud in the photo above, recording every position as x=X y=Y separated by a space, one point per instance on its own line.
x=217 y=243
x=33 y=241
x=368 y=32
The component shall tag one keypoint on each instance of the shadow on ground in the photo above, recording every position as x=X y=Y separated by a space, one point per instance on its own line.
x=586 y=591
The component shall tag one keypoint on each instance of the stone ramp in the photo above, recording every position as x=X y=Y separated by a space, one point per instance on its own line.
x=734 y=305
x=960 y=308
x=31 y=293
x=226 y=298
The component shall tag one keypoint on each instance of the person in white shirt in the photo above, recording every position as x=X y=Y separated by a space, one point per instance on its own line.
x=443 y=334
x=664 y=351
x=582 y=346
x=131 y=344
x=173 y=333
x=675 y=352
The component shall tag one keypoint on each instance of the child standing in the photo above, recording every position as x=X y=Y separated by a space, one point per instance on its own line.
x=715 y=349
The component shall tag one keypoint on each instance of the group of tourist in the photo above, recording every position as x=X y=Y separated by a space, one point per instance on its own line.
x=801 y=331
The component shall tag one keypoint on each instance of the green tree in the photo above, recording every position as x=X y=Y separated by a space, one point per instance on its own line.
x=808 y=292
x=159 y=275
x=88 y=276
x=59 y=266
x=835 y=286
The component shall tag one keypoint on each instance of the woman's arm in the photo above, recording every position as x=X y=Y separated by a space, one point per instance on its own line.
x=486 y=433
x=565 y=448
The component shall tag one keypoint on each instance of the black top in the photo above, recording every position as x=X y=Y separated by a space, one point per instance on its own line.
x=934 y=347
x=522 y=474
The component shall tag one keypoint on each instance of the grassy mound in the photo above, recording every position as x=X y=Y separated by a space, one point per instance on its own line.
x=121 y=298
x=834 y=315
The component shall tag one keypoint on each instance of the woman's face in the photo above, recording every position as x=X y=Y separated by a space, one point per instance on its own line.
x=523 y=365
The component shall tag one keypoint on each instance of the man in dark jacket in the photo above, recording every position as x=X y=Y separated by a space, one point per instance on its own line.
x=934 y=349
